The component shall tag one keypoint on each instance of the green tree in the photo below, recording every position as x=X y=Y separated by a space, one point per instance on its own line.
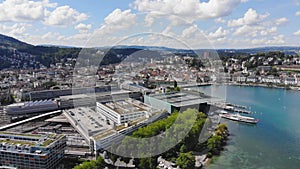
x=214 y=144
x=48 y=85
x=183 y=149
x=93 y=164
x=87 y=165
x=148 y=163
x=177 y=89
x=186 y=160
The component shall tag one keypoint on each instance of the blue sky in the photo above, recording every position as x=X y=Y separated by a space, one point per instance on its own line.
x=194 y=23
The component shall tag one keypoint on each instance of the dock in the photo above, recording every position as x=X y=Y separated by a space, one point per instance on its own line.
x=232 y=107
x=235 y=105
x=242 y=111
x=194 y=85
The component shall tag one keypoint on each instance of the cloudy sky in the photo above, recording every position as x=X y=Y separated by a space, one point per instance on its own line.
x=172 y=23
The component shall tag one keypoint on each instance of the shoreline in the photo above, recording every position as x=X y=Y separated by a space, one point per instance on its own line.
x=264 y=85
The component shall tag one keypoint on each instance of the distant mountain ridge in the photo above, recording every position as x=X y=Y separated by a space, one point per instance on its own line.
x=47 y=54
x=7 y=40
x=12 y=42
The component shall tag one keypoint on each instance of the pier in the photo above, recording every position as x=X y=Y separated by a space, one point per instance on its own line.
x=232 y=107
x=194 y=85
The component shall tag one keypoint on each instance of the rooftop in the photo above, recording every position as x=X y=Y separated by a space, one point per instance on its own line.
x=23 y=142
x=32 y=103
x=126 y=106
x=88 y=120
x=179 y=99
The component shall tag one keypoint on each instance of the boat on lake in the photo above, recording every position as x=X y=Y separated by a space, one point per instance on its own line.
x=240 y=118
x=222 y=112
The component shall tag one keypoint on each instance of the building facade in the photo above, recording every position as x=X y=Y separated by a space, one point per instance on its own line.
x=31 y=151
x=178 y=101
x=123 y=111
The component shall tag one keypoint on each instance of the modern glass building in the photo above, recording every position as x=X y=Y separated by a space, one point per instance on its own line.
x=178 y=101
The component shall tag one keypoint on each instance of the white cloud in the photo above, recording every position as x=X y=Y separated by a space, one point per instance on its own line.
x=251 y=17
x=190 y=10
x=52 y=36
x=266 y=32
x=219 y=33
x=281 y=21
x=254 y=31
x=296 y=2
x=56 y=38
x=31 y=11
x=297 y=13
x=190 y=31
x=276 y=40
x=118 y=20
x=15 y=30
x=82 y=28
x=149 y=19
x=24 y=10
x=220 y=20
x=64 y=16
x=247 y=30
x=297 y=33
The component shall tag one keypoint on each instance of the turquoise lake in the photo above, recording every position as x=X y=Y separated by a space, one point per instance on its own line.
x=274 y=143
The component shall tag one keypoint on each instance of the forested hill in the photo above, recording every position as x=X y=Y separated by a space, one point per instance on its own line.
x=14 y=51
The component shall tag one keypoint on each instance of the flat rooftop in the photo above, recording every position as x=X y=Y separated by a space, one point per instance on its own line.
x=180 y=99
x=22 y=142
x=87 y=120
x=126 y=106
x=93 y=95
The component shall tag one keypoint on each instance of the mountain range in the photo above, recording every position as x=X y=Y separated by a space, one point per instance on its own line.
x=47 y=54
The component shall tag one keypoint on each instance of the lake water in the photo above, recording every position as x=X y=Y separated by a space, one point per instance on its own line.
x=274 y=143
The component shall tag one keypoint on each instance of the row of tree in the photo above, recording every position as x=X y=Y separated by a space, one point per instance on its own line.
x=218 y=140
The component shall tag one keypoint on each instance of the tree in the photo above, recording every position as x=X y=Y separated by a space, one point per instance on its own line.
x=100 y=163
x=214 y=144
x=177 y=89
x=113 y=157
x=6 y=98
x=183 y=149
x=148 y=163
x=222 y=127
x=186 y=160
x=93 y=164
x=48 y=85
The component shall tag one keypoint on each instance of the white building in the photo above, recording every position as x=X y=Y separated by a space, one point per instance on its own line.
x=290 y=81
x=123 y=111
x=271 y=79
x=252 y=79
